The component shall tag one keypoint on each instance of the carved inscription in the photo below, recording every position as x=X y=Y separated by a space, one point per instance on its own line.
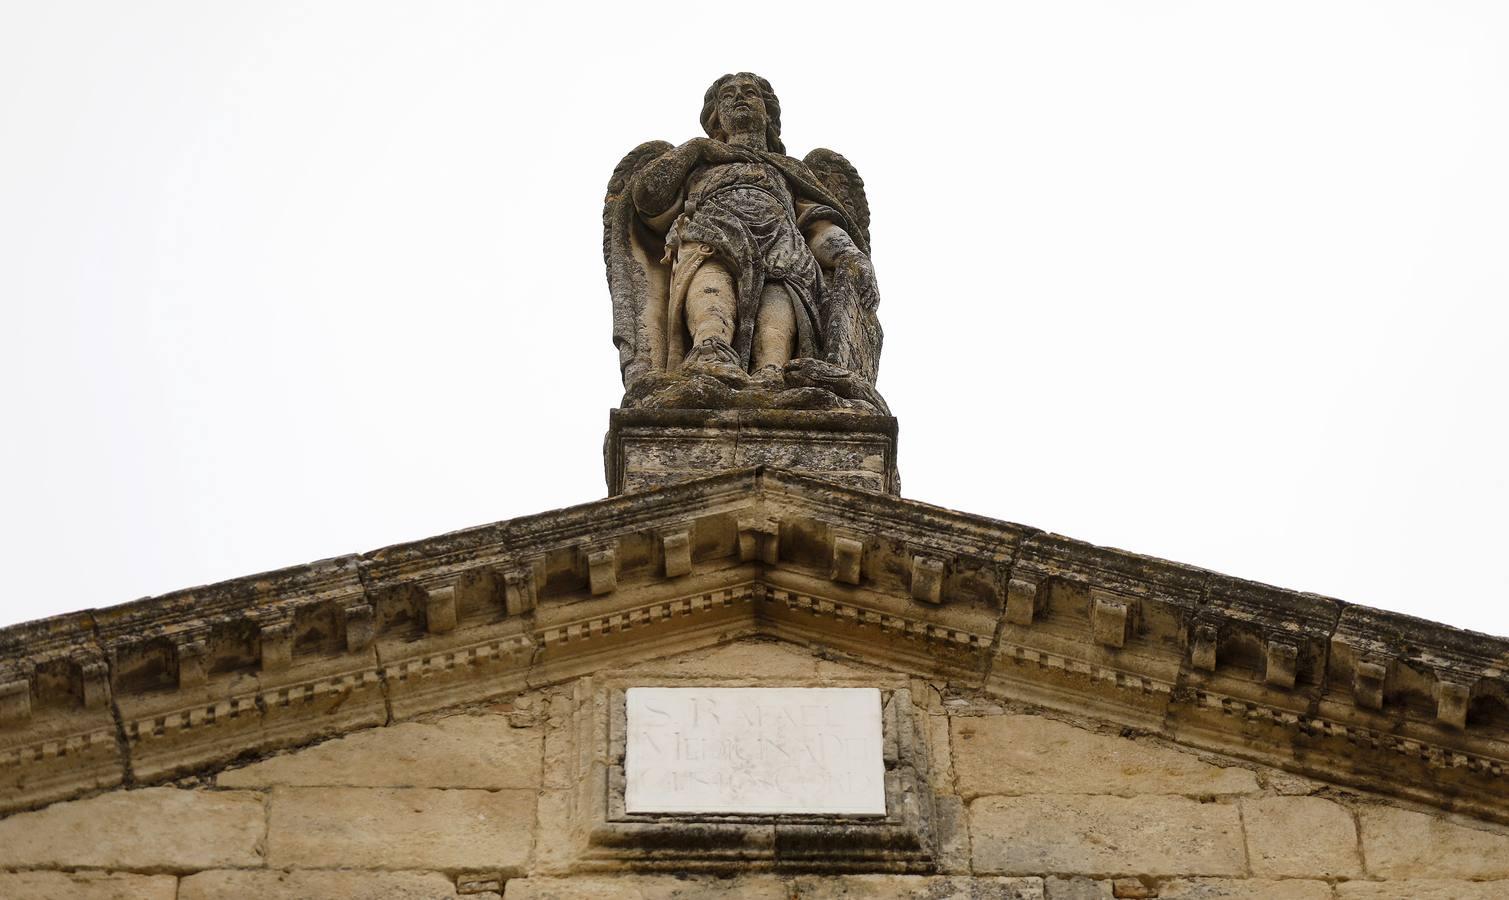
x=754 y=751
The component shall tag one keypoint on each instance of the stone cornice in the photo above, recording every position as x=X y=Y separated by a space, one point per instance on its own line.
x=189 y=681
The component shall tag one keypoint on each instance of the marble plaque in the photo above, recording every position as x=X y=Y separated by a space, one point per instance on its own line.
x=754 y=751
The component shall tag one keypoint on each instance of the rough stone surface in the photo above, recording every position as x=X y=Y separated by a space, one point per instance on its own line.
x=690 y=334
x=1068 y=835
x=917 y=887
x=1300 y=837
x=163 y=829
x=400 y=828
x=651 y=448
x=455 y=752
x=296 y=885
x=1243 y=889
x=631 y=887
x=1400 y=843
x=1423 y=890
x=1077 y=889
x=86 y=886
x=1034 y=755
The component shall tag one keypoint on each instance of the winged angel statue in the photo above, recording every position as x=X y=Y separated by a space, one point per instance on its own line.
x=740 y=276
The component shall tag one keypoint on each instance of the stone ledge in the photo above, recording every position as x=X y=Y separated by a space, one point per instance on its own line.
x=651 y=448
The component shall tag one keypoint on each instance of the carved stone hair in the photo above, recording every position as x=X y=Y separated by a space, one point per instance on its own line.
x=713 y=128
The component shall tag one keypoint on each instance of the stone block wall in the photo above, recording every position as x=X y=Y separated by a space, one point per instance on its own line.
x=1028 y=806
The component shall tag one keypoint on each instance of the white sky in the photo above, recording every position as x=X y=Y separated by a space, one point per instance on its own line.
x=1219 y=282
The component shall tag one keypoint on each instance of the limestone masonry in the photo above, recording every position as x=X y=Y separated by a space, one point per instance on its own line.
x=1038 y=718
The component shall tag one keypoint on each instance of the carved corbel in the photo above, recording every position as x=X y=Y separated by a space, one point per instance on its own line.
x=848 y=558
x=1452 y=698
x=1282 y=665
x=1367 y=684
x=192 y=655
x=759 y=540
x=602 y=567
x=276 y=642
x=676 y=551
x=15 y=697
x=521 y=587
x=927 y=579
x=94 y=680
x=1109 y=617
x=1024 y=599
x=360 y=628
x=1202 y=646
x=440 y=609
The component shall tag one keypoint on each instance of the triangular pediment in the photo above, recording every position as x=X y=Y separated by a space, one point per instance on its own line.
x=189 y=682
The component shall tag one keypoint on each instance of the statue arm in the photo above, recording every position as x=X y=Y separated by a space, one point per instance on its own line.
x=836 y=251
x=829 y=242
x=658 y=187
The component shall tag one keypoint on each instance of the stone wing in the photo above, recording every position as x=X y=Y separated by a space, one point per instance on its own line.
x=842 y=180
x=636 y=278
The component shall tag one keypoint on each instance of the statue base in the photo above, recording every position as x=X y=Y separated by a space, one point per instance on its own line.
x=649 y=448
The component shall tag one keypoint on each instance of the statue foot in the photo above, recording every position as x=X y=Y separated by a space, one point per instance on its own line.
x=768 y=378
x=716 y=359
x=833 y=377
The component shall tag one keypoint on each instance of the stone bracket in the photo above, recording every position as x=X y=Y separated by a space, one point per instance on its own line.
x=759 y=540
x=521 y=587
x=1367 y=684
x=191 y=653
x=275 y=640
x=1025 y=598
x=927 y=579
x=602 y=567
x=15 y=701
x=1109 y=618
x=848 y=558
x=360 y=627
x=676 y=551
x=1452 y=699
x=1282 y=660
x=440 y=609
x=1202 y=646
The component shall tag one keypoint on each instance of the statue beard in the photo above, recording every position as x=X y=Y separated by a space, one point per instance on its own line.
x=743 y=121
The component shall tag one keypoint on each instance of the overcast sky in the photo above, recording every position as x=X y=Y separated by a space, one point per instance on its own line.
x=1223 y=283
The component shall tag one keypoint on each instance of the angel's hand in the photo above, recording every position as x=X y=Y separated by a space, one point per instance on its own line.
x=717 y=152
x=853 y=268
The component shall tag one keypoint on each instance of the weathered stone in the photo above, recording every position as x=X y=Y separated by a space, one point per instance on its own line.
x=1300 y=837
x=648 y=887
x=755 y=660
x=1078 y=888
x=655 y=447
x=1034 y=755
x=306 y=885
x=692 y=335
x=1422 y=890
x=1132 y=889
x=1399 y=843
x=1243 y=889
x=1069 y=835
x=918 y=887
x=86 y=886
x=164 y=829
x=400 y=828
x=455 y=752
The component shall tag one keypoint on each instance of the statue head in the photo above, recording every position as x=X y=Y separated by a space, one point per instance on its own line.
x=740 y=102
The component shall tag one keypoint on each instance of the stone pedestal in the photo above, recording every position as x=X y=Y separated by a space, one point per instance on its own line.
x=648 y=448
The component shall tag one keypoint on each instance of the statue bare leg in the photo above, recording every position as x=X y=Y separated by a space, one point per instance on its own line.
x=711 y=305
x=775 y=329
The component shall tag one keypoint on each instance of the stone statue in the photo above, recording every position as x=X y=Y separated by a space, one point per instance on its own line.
x=741 y=277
